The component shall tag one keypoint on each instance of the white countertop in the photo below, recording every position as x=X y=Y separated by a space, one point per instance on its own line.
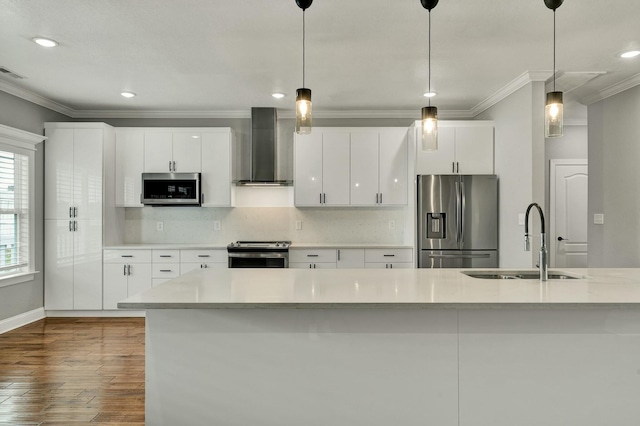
x=204 y=246
x=348 y=245
x=408 y=288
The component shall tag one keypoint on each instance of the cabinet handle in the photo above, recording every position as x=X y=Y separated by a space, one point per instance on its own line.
x=203 y=255
x=314 y=266
x=457 y=167
x=321 y=198
x=70 y=227
x=389 y=255
x=206 y=266
x=124 y=270
x=453 y=167
x=391 y=266
x=310 y=265
x=202 y=198
x=165 y=270
x=70 y=211
x=165 y=255
x=174 y=166
x=128 y=269
x=170 y=166
x=338 y=255
x=312 y=255
x=324 y=198
x=75 y=212
x=126 y=255
x=381 y=198
x=75 y=226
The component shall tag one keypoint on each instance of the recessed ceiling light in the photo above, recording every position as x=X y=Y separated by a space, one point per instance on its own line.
x=128 y=94
x=278 y=95
x=630 y=54
x=429 y=94
x=45 y=42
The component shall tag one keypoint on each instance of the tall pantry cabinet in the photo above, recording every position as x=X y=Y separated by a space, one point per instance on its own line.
x=76 y=158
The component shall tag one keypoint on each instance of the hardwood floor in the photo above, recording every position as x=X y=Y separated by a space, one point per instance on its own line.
x=73 y=371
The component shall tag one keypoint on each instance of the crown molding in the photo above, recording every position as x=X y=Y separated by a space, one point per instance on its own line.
x=19 y=138
x=575 y=122
x=513 y=86
x=612 y=90
x=110 y=113
x=35 y=98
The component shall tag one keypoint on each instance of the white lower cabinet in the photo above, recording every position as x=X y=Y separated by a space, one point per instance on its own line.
x=350 y=258
x=399 y=258
x=202 y=259
x=312 y=258
x=125 y=273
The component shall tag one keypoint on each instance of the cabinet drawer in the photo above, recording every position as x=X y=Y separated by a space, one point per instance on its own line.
x=389 y=265
x=188 y=267
x=127 y=256
x=166 y=270
x=166 y=256
x=312 y=256
x=350 y=258
x=388 y=255
x=203 y=256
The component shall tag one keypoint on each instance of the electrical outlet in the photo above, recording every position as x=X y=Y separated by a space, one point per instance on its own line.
x=298 y=225
x=392 y=224
x=598 y=219
x=216 y=225
x=520 y=218
x=159 y=226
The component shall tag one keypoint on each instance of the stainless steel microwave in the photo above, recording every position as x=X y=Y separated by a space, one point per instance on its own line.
x=171 y=189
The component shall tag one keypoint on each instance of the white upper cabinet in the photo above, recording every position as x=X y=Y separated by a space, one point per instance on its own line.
x=393 y=167
x=129 y=167
x=217 y=155
x=364 y=168
x=322 y=169
x=464 y=147
x=172 y=152
x=73 y=160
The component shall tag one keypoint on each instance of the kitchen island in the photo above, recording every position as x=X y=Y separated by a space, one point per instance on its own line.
x=381 y=347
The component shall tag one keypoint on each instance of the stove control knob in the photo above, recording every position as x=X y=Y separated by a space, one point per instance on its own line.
x=277 y=244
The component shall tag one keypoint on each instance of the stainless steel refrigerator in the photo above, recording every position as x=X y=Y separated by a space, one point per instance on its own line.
x=457 y=221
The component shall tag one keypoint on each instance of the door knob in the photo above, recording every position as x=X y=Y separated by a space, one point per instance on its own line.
x=562 y=239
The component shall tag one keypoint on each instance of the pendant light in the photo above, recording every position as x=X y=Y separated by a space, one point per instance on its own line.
x=303 y=95
x=553 y=108
x=429 y=113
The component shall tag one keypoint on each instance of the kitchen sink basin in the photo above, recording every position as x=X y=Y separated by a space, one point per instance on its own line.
x=518 y=275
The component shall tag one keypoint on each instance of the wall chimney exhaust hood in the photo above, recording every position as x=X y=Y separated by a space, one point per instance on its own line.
x=264 y=154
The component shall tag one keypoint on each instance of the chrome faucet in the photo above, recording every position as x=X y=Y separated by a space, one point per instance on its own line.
x=544 y=261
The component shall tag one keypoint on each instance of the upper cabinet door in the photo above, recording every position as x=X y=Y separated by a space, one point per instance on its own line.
x=335 y=168
x=474 y=150
x=393 y=167
x=441 y=161
x=187 y=152
x=216 y=169
x=308 y=169
x=87 y=173
x=129 y=167
x=58 y=162
x=158 y=152
x=364 y=168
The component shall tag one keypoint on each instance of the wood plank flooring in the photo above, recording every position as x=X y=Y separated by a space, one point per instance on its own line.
x=73 y=371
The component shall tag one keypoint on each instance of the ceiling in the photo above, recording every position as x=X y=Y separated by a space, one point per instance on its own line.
x=368 y=57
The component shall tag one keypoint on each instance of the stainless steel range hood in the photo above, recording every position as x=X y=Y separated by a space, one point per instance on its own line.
x=264 y=154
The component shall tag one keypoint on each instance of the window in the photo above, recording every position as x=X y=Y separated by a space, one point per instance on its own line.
x=17 y=154
x=14 y=212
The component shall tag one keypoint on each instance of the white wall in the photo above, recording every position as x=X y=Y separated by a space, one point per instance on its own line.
x=614 y=180
x=519 y=156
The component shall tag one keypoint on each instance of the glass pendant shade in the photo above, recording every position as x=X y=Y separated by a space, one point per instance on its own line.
x=429 y=128
x=303 y=111
x=553 y=115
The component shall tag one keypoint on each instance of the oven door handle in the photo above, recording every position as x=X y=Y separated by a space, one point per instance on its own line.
x=258 y=255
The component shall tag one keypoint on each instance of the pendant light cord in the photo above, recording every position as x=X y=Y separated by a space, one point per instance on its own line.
x=303 y=52
x=554 y=50
x=429 y=57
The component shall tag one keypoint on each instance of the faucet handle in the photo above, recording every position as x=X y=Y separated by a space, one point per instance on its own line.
x=527 y=244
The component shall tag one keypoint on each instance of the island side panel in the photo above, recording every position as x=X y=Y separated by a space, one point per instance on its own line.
x=347 y=366
x=552 y=367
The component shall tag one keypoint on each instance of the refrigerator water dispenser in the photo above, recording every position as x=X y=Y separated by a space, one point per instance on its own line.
x=436 y=225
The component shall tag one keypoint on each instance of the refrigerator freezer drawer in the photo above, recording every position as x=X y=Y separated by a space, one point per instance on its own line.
x=458 y=259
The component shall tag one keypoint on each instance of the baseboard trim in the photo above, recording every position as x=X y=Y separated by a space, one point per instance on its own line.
x=96 y=314
x=21 y=320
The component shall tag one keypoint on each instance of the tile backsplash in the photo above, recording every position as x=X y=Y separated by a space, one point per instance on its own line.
x=318 y=225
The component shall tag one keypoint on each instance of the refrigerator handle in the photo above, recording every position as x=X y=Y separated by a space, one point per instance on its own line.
x=464 y=207
x=457 y=212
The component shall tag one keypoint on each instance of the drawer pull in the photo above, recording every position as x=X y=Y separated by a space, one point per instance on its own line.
x=312 y=255
x=126 y=255
x=166 y=270
x=203 y=255
x=389 y=255
x=165 y=255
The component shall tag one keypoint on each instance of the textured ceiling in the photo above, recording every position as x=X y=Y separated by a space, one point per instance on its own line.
x=366 y=55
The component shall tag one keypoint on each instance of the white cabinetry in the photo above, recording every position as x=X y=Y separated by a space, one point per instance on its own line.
x=322 y=168
x=217 y=156
x=200 y=259
x=312 y=258
x=379 y=167
x=73 y=214
x=126 y=272
x=165 y=265
x=168 y=151
x=350 y=258
x=388 y=258
x=464 y=147
x=129 y=167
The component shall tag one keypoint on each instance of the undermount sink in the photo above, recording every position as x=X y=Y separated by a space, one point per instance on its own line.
x=518 y=275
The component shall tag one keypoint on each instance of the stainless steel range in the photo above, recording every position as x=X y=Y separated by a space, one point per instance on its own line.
x=259 y=254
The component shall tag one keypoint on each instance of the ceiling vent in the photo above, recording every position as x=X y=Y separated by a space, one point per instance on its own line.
x=6 y=71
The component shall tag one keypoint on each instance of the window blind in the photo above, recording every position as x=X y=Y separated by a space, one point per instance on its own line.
x=14 y=211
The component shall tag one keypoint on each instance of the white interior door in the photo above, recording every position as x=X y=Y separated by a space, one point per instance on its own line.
x=568 y=199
